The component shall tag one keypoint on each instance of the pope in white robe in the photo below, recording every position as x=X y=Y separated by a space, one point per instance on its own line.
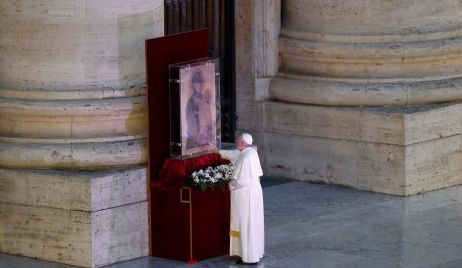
x=247 y=234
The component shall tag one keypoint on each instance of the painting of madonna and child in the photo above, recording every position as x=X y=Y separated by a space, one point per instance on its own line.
x=199 y=108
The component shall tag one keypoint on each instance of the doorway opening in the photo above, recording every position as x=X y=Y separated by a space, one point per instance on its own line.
x=218 y=17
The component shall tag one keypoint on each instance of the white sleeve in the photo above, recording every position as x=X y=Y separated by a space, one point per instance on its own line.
x=231 y=155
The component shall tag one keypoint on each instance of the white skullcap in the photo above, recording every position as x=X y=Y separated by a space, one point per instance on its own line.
x=247 y=138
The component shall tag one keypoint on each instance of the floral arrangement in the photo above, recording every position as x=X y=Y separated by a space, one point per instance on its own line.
x=211 y=177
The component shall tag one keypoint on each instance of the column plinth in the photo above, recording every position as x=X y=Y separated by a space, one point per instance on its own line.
x=73 y=129
x=384 y=81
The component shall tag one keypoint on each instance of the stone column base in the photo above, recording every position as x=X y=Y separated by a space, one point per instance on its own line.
x=393 y=150
x=83 y=218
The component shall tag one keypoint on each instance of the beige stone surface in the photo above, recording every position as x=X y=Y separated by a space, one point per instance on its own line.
x=76 y=134
x=381 y=125
x=311 y=158
x=266 y=26
x=87 y=93
x=73 y=128
x=434 y=164
x=83 y=155
x=81 y=238
x=73 y=119
x=119 y=187
x=313 y=121
x=381 y=168
x=250 y=115
x=380 y=81
x=416 y=60
x=13 y=189
x=299 y=88
x=290 y=87
x=375 y=17
x=120 y=234
x=50 y=44
x=74 y=190
x=386 y=125
x=366 y=166
x=257 y=60
x=346 y=53
x=257 y=31
x=433 y=122
x=84 y=218
x=400 y=151
x=47 y=233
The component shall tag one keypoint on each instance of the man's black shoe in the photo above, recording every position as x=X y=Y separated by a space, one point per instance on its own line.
x=240 y=262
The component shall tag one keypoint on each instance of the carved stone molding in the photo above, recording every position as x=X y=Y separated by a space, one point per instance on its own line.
x=381 y=54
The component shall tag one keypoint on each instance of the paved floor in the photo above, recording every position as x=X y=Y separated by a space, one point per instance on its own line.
x=321 y=226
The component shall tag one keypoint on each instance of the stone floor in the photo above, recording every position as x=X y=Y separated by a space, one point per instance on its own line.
x=310 y=225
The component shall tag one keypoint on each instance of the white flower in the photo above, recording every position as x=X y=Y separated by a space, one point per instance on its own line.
x=210 y=176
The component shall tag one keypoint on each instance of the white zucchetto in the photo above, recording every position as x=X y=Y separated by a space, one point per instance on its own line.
x=247 y=138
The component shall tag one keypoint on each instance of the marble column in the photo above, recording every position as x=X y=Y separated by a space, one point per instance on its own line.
x=73 y=128
x=368 y=95
x=257 y=25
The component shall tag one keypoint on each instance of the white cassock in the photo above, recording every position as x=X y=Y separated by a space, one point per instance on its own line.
x=247 y=228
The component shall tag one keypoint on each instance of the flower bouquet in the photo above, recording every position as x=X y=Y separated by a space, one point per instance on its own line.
x=211 y=177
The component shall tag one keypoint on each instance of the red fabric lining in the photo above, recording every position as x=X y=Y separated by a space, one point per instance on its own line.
x=175 y=172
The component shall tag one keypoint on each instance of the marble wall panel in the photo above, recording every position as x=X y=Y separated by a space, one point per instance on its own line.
x=46 y=233
x=381 y=168
x=88 y=239
x=312 y=121
x=433 y=164
x=433 y=122
x=311 y=159
x=120 y=234
x=74 y=190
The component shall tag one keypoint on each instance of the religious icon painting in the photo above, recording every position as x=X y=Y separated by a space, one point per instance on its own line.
x=194 y=107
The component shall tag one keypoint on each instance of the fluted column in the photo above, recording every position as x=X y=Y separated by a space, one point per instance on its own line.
x=73 y=116
x=361 y=87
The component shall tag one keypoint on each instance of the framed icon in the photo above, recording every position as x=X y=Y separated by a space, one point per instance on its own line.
x=194 y=107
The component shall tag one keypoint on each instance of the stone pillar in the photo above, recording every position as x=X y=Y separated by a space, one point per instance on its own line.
x=73 y=128
x=368 y=95
x=257 y=25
